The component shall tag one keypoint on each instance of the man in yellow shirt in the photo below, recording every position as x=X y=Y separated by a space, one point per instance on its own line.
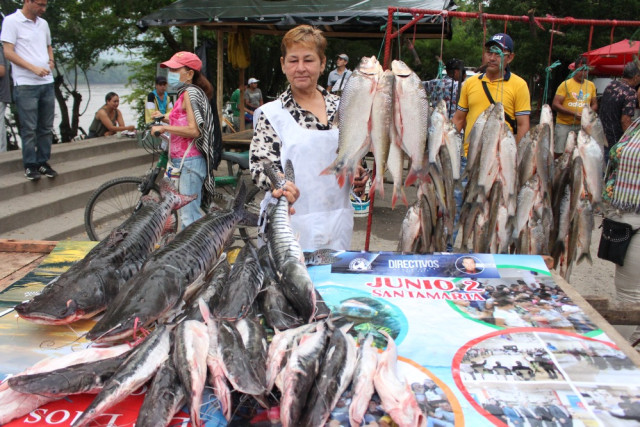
x=497 y=84
x=571 y=97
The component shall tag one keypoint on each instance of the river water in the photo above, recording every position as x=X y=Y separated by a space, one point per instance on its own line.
x=95 y=100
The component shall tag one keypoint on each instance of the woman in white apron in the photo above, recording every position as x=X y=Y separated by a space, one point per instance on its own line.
x=299 y=126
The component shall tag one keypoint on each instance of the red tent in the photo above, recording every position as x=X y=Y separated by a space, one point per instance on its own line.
x=609 y=60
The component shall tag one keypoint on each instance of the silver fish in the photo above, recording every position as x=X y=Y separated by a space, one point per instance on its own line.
x=592 y=163
x=410 y=230
x=585 y=228
x=437 y=130
x=395 y=163
x=354 y=115
x=591 y=124
x=474 y=140
x=381 y=118
x=411 y=117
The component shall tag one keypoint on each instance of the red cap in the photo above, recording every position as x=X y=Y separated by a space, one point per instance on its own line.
x=183 y=59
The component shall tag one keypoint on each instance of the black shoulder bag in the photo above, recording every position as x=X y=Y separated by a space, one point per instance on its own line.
x=511 y=121
x=615 y=240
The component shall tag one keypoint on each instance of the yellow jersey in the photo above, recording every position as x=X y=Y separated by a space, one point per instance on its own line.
x=512 y=91
x=576 y=97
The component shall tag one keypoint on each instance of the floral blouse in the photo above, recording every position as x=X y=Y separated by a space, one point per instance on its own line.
x=265 y=144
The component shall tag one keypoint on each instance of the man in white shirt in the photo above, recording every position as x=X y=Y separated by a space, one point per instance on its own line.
x=338 y=77
x=27 y=45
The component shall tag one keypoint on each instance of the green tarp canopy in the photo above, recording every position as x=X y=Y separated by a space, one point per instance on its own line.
x=340 y=17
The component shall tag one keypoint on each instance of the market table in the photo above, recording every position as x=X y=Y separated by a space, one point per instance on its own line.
x=238 y=140
x=458 y=354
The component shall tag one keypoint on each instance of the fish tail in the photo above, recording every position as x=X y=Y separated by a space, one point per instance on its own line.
x=178 y=200
x=394 y=198
x=583 y=256
x=377 y=182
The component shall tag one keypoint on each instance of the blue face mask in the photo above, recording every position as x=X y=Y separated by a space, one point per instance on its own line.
x=173 y=79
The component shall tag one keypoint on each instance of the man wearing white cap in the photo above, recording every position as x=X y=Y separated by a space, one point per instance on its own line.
x=252 y=96
x=338 y=77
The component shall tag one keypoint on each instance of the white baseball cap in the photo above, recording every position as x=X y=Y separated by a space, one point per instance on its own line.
x=253 y=80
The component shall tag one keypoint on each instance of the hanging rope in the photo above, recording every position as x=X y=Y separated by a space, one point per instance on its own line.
x=441 y=41
x=498 y=51
x=553 y=26
x=547 y=79
x=590 y=38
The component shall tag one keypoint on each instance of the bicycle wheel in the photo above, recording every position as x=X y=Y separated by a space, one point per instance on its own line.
x=112 y=203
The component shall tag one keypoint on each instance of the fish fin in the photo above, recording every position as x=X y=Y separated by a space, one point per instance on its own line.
x=204 y=310
x=116 y=237
x=394 y=197
x=411 y=178
x=241 y=196
x=169 y=225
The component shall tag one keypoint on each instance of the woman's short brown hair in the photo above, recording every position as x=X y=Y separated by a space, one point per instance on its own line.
x=304 y=34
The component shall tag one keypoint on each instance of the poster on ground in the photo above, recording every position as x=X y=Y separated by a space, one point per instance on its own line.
x=482 y=340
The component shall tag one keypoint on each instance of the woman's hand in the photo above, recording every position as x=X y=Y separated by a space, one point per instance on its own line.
x=291 y=192
x=158 y=129
x=360 y=181
x=131 y=128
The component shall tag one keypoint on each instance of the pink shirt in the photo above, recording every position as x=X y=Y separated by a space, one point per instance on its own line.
x=179 y=144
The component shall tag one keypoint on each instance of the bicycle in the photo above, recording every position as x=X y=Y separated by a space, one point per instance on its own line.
x=117 y=199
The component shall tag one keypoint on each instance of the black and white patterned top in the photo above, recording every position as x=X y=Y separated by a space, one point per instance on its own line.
x=265 y=144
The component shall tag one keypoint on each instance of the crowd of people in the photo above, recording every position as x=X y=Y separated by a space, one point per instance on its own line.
x=531 y=304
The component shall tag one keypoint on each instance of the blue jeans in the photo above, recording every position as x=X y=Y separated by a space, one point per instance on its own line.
x=192 y=175
x=36 y=106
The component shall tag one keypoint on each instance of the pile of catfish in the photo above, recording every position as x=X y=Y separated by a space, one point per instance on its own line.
x=192 y=321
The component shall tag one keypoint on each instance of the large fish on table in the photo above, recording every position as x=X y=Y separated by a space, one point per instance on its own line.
x=158 y=287
x=93 y=282
x=354 y=117
x=411 y=117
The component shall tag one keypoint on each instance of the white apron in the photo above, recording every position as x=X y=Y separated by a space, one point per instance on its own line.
x=324 y=214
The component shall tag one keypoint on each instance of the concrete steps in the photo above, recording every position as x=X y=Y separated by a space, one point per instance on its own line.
x=53 y=209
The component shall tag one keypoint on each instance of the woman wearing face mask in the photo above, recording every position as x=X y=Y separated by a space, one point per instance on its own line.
x=191 y=129
x=108 y=120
